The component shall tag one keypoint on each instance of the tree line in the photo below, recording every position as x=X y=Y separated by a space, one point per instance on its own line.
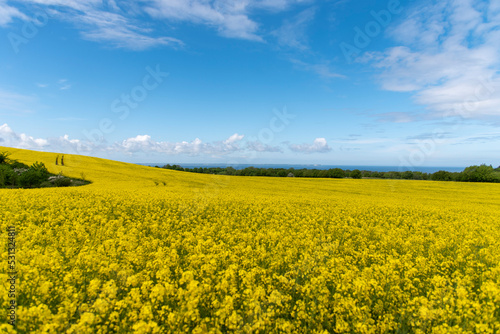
x=476 y=173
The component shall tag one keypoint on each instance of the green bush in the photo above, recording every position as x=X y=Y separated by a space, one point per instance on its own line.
x=62 y=182
x=32 y=178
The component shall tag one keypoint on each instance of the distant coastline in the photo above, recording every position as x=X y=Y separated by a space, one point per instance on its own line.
x=425 y=169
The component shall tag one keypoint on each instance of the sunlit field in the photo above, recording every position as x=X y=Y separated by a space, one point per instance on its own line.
x=147 y=250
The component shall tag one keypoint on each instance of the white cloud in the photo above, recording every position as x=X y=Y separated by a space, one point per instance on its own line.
x=233 y=139
x=121 y=31
x=144 y=143
x=147 y=145
x=319 y=145
x=229 y=17
x=12 y=139
x=106 y=22
x=7 y=13
x=449 y=58
x=62 y=144
x=122 y=24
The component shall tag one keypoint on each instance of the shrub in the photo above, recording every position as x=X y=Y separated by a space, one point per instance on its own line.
x=62 y=182
x=32 y=178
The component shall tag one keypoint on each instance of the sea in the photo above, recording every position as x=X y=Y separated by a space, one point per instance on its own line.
x=425 y=169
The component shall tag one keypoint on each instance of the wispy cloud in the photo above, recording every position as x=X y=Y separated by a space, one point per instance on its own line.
x=69 y=119
x=258 y=146
x=319 y=145
x=64 y=84
x=8 y=13
x=121 y=31
x=430 y=135
x=398 y=117
x=121 y=24
x=361 y=141
x=107 y=22
x=15 y=102
x=438 y=62
x=293 y=32
x=230 y=18
x=324 y=70
x=483 y=138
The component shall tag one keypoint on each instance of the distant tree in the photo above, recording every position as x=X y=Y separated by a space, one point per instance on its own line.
x=355 y=174
x=299 y=173
x=366 y=173
x=337 y=173
x=57 y=160
x=323 y=173
x=408 y=175
x=309 y=173
x=441 y=175
x=62 y=160
x=392 y=175
x=418 y=176
x=482 y=173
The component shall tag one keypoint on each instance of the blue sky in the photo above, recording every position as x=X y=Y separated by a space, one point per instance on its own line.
x=400 y=83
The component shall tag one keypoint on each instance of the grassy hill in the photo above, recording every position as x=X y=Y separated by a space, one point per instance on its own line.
x=147 y=250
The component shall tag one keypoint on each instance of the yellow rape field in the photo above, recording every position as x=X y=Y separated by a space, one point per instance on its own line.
x=146 y=250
